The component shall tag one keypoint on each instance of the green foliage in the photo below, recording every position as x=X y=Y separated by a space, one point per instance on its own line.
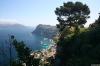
x=22 y=51
x=72 y=14
x=15 y=63
x=77 y=46
x=80 y=49
x=96 y=24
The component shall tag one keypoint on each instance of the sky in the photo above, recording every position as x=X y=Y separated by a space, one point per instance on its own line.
x=34 y=12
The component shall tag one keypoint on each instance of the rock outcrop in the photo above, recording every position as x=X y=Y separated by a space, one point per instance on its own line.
x=46 y=31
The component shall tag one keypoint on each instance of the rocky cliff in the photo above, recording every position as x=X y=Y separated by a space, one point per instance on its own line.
x=46 y=31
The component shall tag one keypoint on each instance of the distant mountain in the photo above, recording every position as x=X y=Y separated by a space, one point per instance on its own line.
x=16 y=27
x=46 y=31
x=9 y=25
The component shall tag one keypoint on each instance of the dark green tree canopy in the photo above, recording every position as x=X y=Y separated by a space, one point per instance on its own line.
x=96 y=23
x=72 y=13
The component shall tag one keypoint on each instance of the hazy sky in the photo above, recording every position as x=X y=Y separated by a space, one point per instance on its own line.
x=34 y=12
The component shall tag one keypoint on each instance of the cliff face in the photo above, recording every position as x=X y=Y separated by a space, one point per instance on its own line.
x=46 y=31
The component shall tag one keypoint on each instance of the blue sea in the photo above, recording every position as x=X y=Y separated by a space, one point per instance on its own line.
x=33 y=41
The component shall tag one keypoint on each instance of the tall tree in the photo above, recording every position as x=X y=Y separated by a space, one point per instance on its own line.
x=72 y=14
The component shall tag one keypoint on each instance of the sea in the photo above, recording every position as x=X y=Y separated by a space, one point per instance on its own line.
x=33 y=41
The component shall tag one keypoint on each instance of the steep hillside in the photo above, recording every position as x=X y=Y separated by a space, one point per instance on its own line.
x=46 y=30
